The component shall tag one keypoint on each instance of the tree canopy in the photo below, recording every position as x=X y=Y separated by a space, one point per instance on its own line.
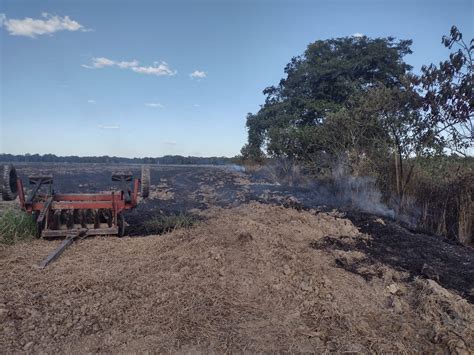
x=448 y=98
x=330 y=77
x=358 y=94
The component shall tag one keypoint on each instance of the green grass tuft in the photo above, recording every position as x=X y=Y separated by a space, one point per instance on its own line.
x=163 y=224
x=16 y=226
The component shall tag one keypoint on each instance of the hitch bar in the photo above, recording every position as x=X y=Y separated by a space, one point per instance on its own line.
x=70 y=237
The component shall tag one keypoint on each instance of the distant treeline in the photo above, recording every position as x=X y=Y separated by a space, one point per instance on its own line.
x=167 y=159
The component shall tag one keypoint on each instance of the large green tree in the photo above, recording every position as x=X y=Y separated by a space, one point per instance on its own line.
x=322 y=87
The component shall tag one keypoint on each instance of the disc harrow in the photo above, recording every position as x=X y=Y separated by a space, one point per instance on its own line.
x=75 y=215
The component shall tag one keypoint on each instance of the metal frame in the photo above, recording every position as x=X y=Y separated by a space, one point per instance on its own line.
x=42 y=204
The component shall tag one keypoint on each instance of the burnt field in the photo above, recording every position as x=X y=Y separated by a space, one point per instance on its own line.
x=179 y=189
x=187 y=190
x=265 y=267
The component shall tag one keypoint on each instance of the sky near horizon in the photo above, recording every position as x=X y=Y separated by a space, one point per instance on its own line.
x=151 y=78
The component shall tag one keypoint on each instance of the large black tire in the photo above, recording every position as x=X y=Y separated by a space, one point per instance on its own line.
x=8 y=183
x=145 y=181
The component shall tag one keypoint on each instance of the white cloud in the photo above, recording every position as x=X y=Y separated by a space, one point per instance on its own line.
x=197 y=105
x=109 y=127
x=91 y=101
x=198 y=74
x=100 y=62
x=157 y=68
x=154 y=105
x=170 y=142
x=125 y=65
x=358 y=35
x=30 y=27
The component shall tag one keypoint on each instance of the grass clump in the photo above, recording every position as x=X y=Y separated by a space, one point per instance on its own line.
x=16 y=226
x=163 y=224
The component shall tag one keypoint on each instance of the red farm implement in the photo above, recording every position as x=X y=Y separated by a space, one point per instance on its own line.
x=75 y=215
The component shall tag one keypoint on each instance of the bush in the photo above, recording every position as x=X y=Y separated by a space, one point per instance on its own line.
x=16 y=226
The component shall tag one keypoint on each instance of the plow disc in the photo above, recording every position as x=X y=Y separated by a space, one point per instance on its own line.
x=95 y=221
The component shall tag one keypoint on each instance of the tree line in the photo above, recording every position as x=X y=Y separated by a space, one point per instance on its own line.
x=167 y=159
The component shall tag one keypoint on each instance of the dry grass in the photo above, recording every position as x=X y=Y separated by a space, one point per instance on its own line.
x=452 y=317
x=437 y=193
x=445 y=205
x=245 y=279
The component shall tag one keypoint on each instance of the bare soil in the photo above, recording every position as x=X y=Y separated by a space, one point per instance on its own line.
x=251 y=276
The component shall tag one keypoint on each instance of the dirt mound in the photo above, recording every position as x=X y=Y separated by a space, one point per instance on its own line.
x=244 y=279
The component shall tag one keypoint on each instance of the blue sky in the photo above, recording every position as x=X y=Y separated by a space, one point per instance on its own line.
x=114 y=77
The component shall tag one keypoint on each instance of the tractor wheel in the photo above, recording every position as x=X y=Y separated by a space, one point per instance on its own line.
x=145 y=181
x=8 y=183
x=121 y=225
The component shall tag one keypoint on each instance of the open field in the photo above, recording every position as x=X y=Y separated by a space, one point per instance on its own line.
x=265 y=267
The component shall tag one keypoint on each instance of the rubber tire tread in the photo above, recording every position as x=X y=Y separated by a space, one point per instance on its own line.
x=8 y=183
